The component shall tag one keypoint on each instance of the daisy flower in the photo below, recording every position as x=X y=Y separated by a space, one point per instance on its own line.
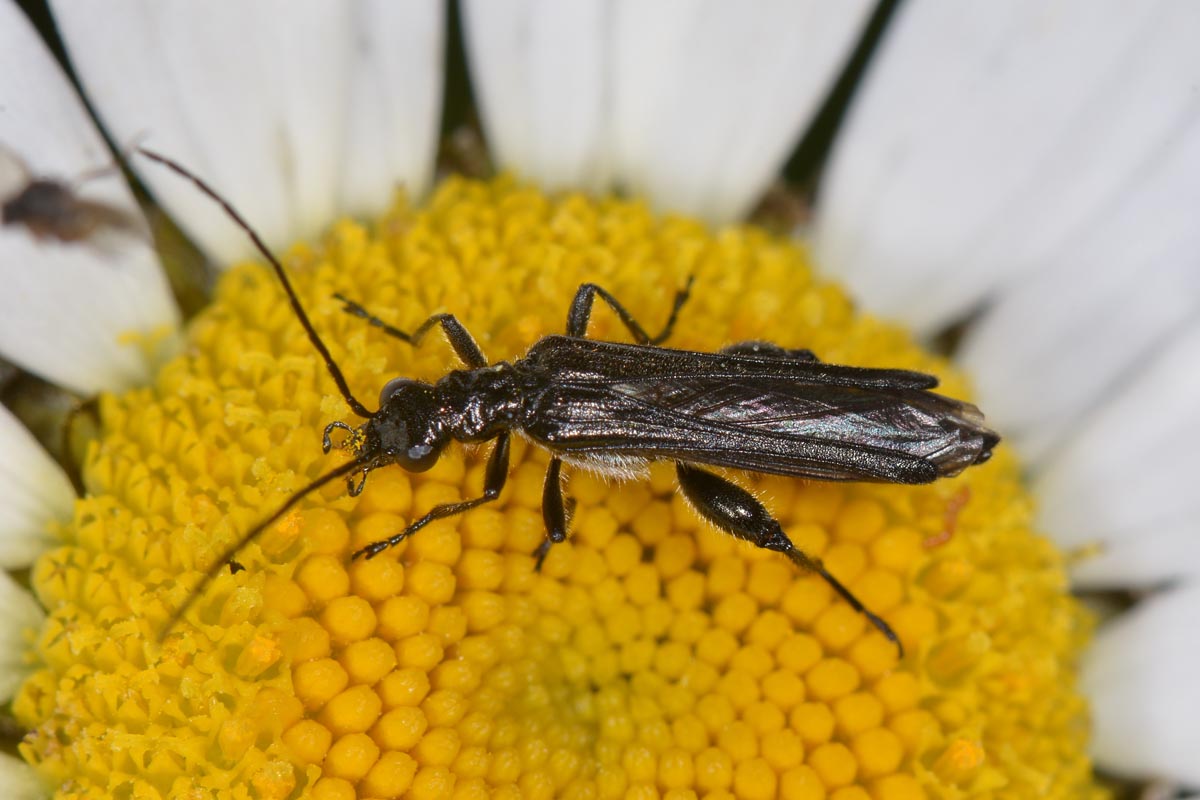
x=1026 y=167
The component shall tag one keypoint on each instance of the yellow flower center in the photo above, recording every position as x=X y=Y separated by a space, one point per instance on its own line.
x=651 y=657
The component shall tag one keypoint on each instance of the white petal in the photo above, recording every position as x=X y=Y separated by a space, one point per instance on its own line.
x=33 y=492
x=991 y=140
x=255 y=97
x=540 y=71
x=1074 y=331
x=21 y=619
x=394 y=102
x=1127 y=480
x=710 y=99
x=695 y=105
x=19 y=781
x=221 y=88
x=1141 y=678
x=64 y=306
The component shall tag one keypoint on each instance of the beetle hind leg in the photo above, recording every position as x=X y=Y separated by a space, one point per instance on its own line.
x=732 y=509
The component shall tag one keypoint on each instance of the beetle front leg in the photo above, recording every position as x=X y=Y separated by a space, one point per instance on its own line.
x=732 y=509
x=465 y=346
x=494 y=479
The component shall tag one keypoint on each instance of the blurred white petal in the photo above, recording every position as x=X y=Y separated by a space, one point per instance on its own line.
x=21 y=619
x=695 y=105
x=65 y=305
x=255 y=97
x=240 y=93
x=1127 y=480
x=1141 y=678
x=993 y=139
x=394 y=102
x=540 y=74
x=19 y=781
x=33 y=492
x=1070 y=334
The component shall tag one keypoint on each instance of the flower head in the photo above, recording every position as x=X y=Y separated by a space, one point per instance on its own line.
x=649 y=654
x=979 y=169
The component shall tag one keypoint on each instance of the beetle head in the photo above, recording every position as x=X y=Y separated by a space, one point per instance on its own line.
x=408 y=429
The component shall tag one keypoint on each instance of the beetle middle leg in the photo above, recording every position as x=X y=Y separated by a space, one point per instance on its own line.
x=460 y=339
x=581 y=313
x=732 y=509
x=554 y=512
x=495 y=476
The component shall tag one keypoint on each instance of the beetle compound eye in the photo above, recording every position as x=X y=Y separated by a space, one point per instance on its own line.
x=418 y=458
x=391 y=387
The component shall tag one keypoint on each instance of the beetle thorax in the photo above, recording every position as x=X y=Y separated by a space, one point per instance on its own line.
x=479 y=403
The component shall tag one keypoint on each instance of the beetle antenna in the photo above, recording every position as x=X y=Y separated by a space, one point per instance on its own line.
x=293 y=299
x=227 y=554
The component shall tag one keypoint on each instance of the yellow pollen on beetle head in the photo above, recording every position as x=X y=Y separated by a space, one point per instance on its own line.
x=650 y=657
